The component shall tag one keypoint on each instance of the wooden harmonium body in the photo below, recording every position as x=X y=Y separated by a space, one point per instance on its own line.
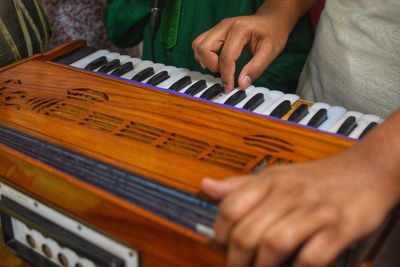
x=97 y=170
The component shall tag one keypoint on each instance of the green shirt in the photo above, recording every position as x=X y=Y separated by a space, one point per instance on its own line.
x=126 y=24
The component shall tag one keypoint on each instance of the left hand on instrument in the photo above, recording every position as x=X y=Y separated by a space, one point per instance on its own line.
x=316 y=209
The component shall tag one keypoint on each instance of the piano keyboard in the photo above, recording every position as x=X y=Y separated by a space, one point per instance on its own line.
x=259 y=100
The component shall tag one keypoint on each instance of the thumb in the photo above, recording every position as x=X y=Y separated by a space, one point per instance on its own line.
x=219 y=189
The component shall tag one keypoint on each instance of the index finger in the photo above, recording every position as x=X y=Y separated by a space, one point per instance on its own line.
x=236 y=205
x=233 y=47
x=208 y=44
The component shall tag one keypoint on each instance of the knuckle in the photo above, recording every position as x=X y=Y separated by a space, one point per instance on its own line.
x=240 y=24
x=242 y=31
x=286 y=240
x=213 y=68
x=305 y=261
x=275 y=243
x=241 y=241
x=310 y=197
x=268 y=47
x=328 y=214
x=225 y=58
x=195 y=43
x=226 y=21
x=228 y=213
x=201 y=49
x=271 y=48
x=315 y=259
x=267 y=241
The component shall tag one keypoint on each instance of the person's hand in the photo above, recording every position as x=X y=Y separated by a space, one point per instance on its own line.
x=314 y=209
x=218 y=48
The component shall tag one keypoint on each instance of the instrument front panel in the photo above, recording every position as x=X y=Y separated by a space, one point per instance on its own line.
x=156 y=239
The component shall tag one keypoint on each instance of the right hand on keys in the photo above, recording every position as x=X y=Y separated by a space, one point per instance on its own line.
x=265 y=33
x=229 y=38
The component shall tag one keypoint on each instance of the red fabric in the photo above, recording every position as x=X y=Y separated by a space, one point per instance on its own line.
x=315 y=13
x=80 y=19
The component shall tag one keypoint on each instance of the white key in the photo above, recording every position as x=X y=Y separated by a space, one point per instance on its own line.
x=112 y=56
x=334 y=114
x=290 y=97
x=134 y=60
x=269 y=98
x=126 y=59
x=83 y=62
x=363 y=123
x=339 y=123
x=312 y=111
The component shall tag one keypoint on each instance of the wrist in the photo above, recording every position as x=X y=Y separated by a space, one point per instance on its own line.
x=379 y=175
x=286 y=12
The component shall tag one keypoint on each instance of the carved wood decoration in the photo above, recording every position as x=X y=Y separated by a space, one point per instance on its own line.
x=165 y=137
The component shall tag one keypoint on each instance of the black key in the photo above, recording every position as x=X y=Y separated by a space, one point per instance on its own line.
x=236 y=98
x=123 y=69
x=158 y=78
x=115 y=63
x=212 y=92
x=97 y=63
x=181 y=83
x=367 y=129
x=196 y=88
x=281 y=109
x=347 y=126
x=319 y=118
x=254 y=102
x=143 y=75
x=74 y=56
x=299 y=114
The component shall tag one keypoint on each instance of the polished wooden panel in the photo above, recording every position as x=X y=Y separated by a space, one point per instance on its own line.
x=161 y=135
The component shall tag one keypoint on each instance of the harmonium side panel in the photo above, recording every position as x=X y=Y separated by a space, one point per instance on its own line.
x=164 y=137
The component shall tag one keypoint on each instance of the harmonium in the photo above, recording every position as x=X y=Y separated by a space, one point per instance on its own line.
x=102 y=156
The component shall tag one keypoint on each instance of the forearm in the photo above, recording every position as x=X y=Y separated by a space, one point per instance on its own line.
x=379 y=155
x=287 y=11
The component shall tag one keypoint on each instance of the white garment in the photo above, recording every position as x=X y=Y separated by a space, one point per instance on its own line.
x=355 y=60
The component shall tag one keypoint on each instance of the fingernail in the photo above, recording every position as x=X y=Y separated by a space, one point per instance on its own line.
x=226 y=88
x=248 y=80
x=201 y=64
